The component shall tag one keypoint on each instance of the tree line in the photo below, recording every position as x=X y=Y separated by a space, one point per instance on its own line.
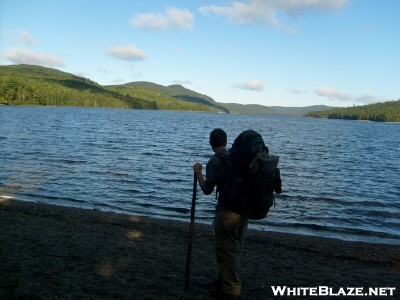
x=34 y=85
x=379 y=112
x=19 y=91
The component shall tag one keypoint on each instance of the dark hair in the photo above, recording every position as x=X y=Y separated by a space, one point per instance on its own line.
x=218 y=138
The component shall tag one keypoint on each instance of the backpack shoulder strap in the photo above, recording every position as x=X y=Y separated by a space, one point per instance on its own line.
x=225 y=159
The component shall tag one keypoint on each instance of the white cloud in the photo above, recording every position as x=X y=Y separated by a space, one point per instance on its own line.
x=130 y=53
x=334 y=94
x=254 y=12
x=25 y=38
x=329 y=92
x=253 y=85
x=173 y=18
x=297 y=91
x=296 y=7
x=268 y=11
x=23 y=56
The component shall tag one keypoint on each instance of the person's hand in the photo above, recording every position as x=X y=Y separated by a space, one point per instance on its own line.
x=197 y=168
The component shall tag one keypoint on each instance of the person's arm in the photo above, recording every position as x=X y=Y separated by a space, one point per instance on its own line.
x=197 y=168
x=207 y=184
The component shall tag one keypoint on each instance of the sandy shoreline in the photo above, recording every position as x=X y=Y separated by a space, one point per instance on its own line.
x=52 y=252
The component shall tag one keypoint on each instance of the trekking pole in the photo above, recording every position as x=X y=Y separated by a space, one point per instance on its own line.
x=191 y=232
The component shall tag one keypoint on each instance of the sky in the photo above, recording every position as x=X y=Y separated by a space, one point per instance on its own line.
x=271 y=52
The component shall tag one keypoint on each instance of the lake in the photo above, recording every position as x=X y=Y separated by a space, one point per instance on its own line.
x=340 y=178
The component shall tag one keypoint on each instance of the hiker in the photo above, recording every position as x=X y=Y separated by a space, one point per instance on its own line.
x=230 y=227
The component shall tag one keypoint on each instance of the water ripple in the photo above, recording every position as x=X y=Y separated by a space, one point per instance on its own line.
x=339 y=178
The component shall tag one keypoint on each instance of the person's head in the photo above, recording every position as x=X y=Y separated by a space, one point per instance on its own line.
x=218 y=138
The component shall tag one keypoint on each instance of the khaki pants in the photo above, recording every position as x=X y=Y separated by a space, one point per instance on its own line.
x=230 y=229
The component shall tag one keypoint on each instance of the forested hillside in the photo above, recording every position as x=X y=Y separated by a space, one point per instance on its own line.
x=176 y=91
x=166 y=96
x=35 y=85
x=381 y=112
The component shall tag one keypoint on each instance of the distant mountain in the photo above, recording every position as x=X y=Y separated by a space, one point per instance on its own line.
x=36 y=85
x=180 y=92
x=176 y=91
x=255 y=109
x=146 y=89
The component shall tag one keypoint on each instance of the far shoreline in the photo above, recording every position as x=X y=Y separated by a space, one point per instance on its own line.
x=201 y=111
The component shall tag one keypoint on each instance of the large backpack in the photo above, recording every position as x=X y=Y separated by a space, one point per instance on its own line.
x=252 y=176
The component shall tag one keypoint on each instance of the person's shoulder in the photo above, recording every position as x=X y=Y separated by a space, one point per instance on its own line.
x=219 y=157
x=214 y=160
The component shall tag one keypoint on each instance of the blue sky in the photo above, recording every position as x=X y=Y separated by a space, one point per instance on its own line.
x=268 y=52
